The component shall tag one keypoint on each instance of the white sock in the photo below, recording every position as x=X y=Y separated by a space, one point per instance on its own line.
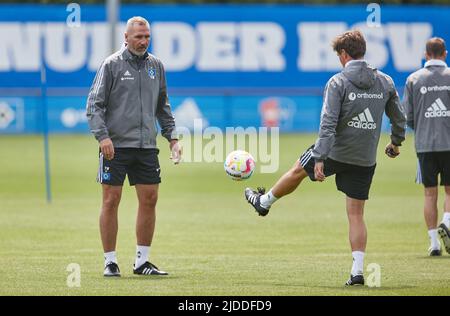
x=446 y=219
x=435 y=244
x=358 y=263
x=110 y=257
x=142 y=253
x=268 y=199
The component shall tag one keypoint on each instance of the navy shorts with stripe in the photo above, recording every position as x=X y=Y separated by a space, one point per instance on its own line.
x=353 y=180
x=141 y=165
x=432 y=164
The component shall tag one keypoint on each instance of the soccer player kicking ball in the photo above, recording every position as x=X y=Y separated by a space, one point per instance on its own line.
x=354 y=102
x=427 y=104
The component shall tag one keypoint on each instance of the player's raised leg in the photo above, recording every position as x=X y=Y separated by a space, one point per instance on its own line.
x=444 y=227
x=358 y=239
x=109 y=227
x=287 y=184
x=145 y=228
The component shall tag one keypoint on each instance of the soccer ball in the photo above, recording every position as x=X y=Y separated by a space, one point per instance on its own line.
x=239 y=165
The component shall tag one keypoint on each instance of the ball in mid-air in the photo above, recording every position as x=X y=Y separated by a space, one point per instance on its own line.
x=239 y=165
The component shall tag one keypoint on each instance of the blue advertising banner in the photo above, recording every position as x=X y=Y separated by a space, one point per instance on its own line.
x=230 y=47
x=233 y=65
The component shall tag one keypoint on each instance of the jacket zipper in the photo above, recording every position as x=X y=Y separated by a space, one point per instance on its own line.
x=142 y=110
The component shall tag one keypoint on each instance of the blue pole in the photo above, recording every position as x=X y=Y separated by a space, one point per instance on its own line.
x=45 y=130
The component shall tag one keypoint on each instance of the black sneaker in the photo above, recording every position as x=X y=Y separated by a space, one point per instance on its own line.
x=149 y=268
x=444 y=232
x=434 y=252
x=111 y=270
x=253 y=197
x=355 y=280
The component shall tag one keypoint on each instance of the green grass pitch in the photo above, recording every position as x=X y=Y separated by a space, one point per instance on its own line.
x=207 y=237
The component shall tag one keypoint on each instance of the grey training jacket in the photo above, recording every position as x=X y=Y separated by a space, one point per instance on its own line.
x=353 y=106
x=127 y=98
x=427 y=103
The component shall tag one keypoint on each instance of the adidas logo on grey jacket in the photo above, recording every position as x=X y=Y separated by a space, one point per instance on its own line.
x=427 y=103
x=353 y=106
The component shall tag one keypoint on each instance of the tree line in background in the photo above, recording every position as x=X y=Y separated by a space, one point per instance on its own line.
x=231 y=1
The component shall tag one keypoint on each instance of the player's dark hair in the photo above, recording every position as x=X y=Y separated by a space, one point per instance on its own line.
x=352 y=42
x=435 y=47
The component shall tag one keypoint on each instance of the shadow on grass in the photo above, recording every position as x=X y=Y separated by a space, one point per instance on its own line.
x=339 y=287
x=145 y=278
x=365 y=288
x=443 y=257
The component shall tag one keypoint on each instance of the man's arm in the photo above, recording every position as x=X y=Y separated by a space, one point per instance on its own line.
x=332 y=102
x=408 y=103
x=97 y=102
x=96 y=107
x=164 y=111
x=396 y=114
x=166 y=119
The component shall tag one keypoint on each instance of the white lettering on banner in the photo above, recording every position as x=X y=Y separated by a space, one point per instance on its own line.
x=217 y=46
x=20 y=46
x=99 y=44
x=314 y=45
x=175 y=43
x=261 y=46
x=209 y=46
x=407 y=43
x=221 y=46
x=62 y=56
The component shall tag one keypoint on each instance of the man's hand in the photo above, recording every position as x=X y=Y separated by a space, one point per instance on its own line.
x=107 y=148
x=392 y=151
x=318 y=171
x=175 y=151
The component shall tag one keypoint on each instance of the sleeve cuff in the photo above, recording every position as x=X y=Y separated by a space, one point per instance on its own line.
x=102 y=137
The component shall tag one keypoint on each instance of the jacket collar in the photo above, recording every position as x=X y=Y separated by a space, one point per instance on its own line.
x=355 y=61
x=435 y=62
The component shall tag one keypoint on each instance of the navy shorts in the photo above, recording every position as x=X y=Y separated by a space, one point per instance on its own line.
x=353 y=180
x=140 y=165
x=432 y=164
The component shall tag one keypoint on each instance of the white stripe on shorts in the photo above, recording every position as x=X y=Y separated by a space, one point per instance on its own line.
x=418 y=174
x=306 y=157
x=100 y=169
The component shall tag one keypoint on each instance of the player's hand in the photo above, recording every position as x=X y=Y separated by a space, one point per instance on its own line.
x=392 y=151
x=175 y=151
x=318 y=171
x=107 y=148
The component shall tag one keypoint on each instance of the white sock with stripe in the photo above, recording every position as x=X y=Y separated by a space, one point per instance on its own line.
x=142 y=253
x=446 y=219
x=268 y=199
x=110 y=257
x=435 y=244
x=358 y=263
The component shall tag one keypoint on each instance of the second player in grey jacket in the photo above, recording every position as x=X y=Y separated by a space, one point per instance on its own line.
x=354 y=102
x=427 y=104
